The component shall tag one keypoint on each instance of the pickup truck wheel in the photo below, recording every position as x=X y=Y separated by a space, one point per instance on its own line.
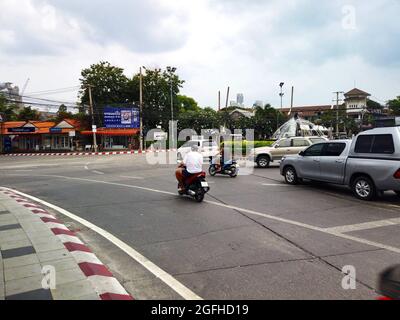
x=290 y=176
x=398 y=193
x=263 y=161
x=364 y=188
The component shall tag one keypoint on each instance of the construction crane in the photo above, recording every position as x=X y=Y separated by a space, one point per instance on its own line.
x=24 y=87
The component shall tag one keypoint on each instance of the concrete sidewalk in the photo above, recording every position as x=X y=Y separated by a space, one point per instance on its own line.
x=41 y=259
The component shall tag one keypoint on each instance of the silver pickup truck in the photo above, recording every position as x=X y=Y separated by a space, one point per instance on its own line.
x=369 y=164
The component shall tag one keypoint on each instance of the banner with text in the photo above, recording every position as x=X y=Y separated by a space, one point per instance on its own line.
x=121 y=117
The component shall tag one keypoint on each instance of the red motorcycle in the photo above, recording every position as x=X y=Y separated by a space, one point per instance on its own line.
x=195 y=186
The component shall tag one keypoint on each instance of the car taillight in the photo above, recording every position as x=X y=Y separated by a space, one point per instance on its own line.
x=397 y=174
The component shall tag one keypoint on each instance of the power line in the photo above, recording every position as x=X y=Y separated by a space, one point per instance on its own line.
x=41 y=99
x=55 y=91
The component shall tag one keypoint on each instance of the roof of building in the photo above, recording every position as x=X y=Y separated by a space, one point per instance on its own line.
x=245 y=113
x=73 y=122
x=302 y=108
x=43 y=124
x=357 y=92
x=307 y=110
x=13 y=124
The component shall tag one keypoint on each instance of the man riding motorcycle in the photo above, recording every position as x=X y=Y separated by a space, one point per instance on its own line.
x=192 y=163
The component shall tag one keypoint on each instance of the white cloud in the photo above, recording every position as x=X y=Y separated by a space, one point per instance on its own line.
x=249 y=45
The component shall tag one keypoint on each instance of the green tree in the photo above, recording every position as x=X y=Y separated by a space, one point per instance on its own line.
x=63 y=113
x=27 y=114
x=157 y=85
x=198 y=120
x=186 y=103
x=373 y=105
x=394 y=106
x=109 y=87
x=266 y=120
x=7 y=109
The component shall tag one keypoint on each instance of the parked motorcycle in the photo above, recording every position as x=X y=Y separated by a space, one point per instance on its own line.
x=230 y=168
x=196 y=186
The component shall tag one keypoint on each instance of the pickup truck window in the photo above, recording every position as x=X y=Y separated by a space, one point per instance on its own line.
x=316 y=140
x=379 y=143
x=300 y=143
x=283 y=143
x=333 y=149
x=314 y=151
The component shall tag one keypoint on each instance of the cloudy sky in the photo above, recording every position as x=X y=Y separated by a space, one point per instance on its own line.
x=317 y=46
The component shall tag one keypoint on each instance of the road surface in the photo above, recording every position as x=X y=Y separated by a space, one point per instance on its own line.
x=253 y=238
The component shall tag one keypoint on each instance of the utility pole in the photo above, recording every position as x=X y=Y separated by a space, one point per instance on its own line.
x=219 y=100
x=171 y=72
x=141 y=108
x=227 y=97
x=291 y=100
x=92 y=113
x=337 y=112
x=281 y=94
x=1 y=134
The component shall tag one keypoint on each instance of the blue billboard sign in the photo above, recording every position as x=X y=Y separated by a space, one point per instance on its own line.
x=21 y=130
x=121 y=117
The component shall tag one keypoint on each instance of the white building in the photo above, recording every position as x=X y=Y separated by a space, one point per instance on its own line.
x=356 y=102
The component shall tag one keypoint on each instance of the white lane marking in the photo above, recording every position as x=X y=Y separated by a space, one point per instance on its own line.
x=364 y=226
x=97 y=172
x=87 y=166
x=174 y=284
x=131 y=177
x=264 y=215
x=276 y=185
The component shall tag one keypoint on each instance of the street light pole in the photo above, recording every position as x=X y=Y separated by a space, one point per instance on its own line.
x=281 y=94
x=91 y=111
x=141 y=109
x=171 y=70
x=337 y=112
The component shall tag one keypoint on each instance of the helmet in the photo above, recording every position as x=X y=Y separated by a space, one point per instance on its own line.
x=195 y=147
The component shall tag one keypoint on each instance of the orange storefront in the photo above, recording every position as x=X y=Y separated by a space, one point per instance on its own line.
x=21 y=136
x=115 y=139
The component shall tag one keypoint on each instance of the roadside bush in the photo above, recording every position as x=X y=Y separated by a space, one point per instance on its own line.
x=243 y=144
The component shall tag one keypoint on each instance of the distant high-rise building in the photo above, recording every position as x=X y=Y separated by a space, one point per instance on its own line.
x=240 y=99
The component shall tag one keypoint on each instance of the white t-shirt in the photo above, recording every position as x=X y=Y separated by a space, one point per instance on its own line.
x=193 y=162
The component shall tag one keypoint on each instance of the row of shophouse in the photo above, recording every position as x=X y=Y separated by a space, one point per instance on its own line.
x=65 y=135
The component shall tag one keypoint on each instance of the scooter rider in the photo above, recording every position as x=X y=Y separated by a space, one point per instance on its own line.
x=192 y=163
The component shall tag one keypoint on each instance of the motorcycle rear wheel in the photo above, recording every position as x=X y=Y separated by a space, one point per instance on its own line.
x=199 y=197
x=212 y=171
x=234 y=173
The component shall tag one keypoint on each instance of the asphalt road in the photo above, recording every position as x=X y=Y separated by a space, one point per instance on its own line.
x=253 y=238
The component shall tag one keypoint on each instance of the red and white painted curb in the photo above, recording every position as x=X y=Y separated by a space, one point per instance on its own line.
x=105 y=153
x=102 y=280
